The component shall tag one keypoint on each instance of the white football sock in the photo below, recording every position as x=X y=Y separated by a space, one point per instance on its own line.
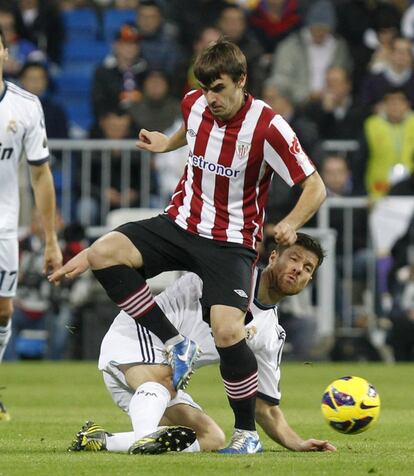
x=5 y=334
x=194 y=448
x=147 y=406
x=120 y=441
x=174 y=340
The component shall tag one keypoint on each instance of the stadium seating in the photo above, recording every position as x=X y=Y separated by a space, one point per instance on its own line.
x=113 y=19
x=73 y=83
x=80 y=114
x=81 y=24
x=89 y=36
x=84 y=51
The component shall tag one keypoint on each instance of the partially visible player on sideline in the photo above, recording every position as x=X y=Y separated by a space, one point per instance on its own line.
x=22 y=130
x=139 y=382
x=213 y=222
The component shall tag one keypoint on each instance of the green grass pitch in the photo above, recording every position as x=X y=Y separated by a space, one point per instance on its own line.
x=50 y=401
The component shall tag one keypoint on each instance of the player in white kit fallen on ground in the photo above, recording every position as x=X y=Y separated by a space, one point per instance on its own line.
x=22 y=131
x=133 y=364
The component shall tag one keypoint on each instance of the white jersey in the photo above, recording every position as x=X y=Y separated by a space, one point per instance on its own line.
x=128 y=342
x=22 y=129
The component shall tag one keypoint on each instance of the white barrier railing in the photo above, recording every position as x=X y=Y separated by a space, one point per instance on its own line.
x=325 y=299
x=348 y=205
x=73 y=162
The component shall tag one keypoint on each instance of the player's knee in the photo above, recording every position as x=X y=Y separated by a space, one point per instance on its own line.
x=107 y=251
x=113 y=249
x=168 y=384
x=99 y=254
x=227 y=325
x=226 y=335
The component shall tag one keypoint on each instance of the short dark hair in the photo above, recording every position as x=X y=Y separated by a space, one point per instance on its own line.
x=34 y=64
x=3 y=38
x=386 y=18
x=221 y=57
x=151 y=3
x=394 y=90
x=308 y=243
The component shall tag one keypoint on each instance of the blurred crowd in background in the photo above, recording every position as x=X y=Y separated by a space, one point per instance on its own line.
x=338 y=70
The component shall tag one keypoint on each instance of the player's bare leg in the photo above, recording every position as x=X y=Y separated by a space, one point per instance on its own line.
x=209 y=435
x=6 y=310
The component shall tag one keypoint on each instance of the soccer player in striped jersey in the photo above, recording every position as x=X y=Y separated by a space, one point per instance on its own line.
x=136 y=376
x=213 y=221
x=22 y=130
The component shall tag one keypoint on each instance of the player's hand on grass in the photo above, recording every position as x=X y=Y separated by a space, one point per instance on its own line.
x=316 y=445
x=152 y=141
x=284 y=234
x=52 y=257
x=74 y=267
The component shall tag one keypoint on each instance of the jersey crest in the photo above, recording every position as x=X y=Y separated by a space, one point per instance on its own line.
x=243 y=149
x=296 y=149
x=12 y=126
x=251 y=332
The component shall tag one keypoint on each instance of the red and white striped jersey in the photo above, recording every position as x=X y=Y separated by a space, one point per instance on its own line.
x=223 y=191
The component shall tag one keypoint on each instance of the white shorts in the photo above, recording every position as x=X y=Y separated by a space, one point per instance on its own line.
x=129 y=343
x=126 y=342
x=121 y=393
x=9 y=266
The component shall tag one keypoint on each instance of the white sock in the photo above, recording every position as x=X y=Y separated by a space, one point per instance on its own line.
x=193 y=448
x=146 y=408
x=120 y=441
x=5 y=334
x=174 y=340
x=252 y=432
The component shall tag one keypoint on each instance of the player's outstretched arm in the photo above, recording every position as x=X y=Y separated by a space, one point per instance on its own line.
x=44 y=192
x=311 y=199
x=156 y=142
x=271 y=419
x=74 y=267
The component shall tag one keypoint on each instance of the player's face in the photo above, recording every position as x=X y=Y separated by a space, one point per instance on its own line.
x=292 y=269
x=224 y=96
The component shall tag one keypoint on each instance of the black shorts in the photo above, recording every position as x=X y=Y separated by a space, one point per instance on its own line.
x=226 y=269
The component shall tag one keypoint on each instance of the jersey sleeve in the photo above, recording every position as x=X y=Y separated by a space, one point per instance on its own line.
x=283 y=152
x=35 y=140
x=269 y=379
x=270 y=340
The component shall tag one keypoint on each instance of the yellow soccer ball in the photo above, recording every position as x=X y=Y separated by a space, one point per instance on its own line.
x=350 y=405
